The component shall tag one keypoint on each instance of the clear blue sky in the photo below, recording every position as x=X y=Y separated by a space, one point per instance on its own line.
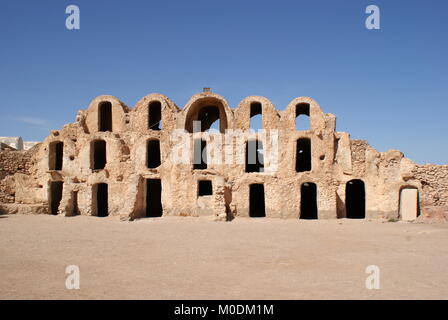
x=387 y=86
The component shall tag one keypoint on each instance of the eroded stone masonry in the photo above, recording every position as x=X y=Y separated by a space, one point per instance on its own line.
x=132 y=163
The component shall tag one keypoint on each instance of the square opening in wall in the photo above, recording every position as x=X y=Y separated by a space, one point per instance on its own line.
x=205 y=188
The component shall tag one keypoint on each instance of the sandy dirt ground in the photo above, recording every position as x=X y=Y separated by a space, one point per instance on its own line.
x=194 y=258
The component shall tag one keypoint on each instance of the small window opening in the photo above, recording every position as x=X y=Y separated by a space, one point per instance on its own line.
x=205 y=188
x=56 y=155
x=155 y=115
x=99 y=155
x=302 y=116
x=209 y=118
x=153 y=154
x=256 y=116
x=105 y=116
x=254 y=156
x=200 y=154
x=303 y=155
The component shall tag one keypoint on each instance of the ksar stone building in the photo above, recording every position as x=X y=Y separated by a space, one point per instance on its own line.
x=131 y=163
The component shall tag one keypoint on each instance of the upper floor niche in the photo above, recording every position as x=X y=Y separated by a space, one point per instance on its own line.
x=105 y=116
x=153 y=153
x=200 y=154
x=303 y=155
x=155 y=115
x=302 y=116
x=256 y=116
x=98 y=155
x=254 y=156
x=56 y=155
x=209 y=118
x=205 y=114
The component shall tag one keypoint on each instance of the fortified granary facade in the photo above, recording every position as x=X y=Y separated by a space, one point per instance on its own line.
x=157 y=159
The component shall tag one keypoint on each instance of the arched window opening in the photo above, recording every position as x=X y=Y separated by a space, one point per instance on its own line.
x=308 y=201
x=303 y=155
x=409 y=208
x=56 y=156
x=257 y=207
x=155 y=115
x=355 y=199
x=205 y=188
x=153 y=154
x=105 y=116
x=254 y=156
x=99 y=159
x=206 y=113
x=100 y=200
x=209 y=118
x=55 y=196
x=256 y=116
x=302 y=116
x=154 y=198
x=200 y=154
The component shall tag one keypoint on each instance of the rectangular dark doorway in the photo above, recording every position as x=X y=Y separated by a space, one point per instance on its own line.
x=308 y=201
x=99 y=158
x=154 y=198
x=101 y=196
x=153 y=152
x=75 y=208
x=105 y=116
x=256 y=201
x=355 y=199
x=55 y=196
x=56 y=155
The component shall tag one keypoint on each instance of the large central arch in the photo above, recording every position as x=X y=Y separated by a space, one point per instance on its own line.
x=207 y=110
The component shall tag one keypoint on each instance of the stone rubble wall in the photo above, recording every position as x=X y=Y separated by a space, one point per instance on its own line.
x=434 y=180
x=358 y=148
x=12 y=162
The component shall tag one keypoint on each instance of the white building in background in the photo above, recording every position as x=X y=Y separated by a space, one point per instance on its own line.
x=13 y=142
x=18 y=143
